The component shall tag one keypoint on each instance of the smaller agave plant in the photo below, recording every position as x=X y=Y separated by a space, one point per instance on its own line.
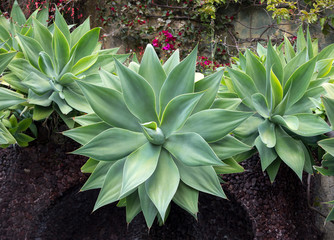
x=148 y=137
x=280 y=87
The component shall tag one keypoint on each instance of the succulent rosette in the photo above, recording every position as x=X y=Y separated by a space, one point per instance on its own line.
x=148 y=141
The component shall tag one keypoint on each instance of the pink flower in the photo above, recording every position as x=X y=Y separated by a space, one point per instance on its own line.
x=167 y=47
x=155 y=42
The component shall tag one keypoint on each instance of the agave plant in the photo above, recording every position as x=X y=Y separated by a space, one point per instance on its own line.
x=280 y=87
x=54 y=58
x=148 y=138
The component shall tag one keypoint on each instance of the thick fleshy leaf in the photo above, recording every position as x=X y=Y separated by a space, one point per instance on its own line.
x=276 y=90
x=87 y=119
x=61 y=103
x=290 y=151
x=226 y=103
x=261 y=105
x=61 y=49
x=299 y=81
x=138 y=94
x=191 y=149
x=96 y=179
x=289 y=51
x=152 y=71
x=180 y=80
x=273 y=168
x=139 y=166
x=86 y=133
x=75 y=99
x=177 y=111
x=214 y=124
x=256 y=71
x=327 y=164
x=243 y=85
x=37 y=83
x=210 y=86
x=162 y=185
x=17 y=15
x=45 y=64
x=288 y=121
x=112 y=185
x=86 y=45
x=112 y=144
x=273 y=62
x=328 y=145
x=267 y=133
x=329 y=106
x=232 y=167
x=267 y=155
x=228 y=147
x=147 y=206
x=62 y=25
x=110 y=80
x=323 y=67
x=203 y=179
x=41 y=113
x=187 y=198
x=89 y=166
x=9 y=98
x=292 y=66
x=5 y=59
x=301 y=42
x=80 y=31
x=132 y=206
x=311 y=125
x=84 y=64
x=172 y=61
x=248 y=127
x=109 y=105
x=31 y=49
x=43 y=36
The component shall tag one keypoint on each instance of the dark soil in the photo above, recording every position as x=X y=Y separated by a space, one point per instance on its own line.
x=40 y=199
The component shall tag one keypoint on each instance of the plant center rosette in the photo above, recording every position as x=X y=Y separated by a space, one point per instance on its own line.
x=148 y=140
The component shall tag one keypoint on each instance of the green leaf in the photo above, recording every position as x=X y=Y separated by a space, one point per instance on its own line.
x=267 y=133
x=86 y=45
x=45 y=64
x=290 y=151
x=187 y=198
x=139 y=166
x=152 y=71
x=112 y=185
x=214 y=124
x=86 y=133
x=299 y=81
x=80 y=31
x=17 y=15
x=232 y=167
x=179 y=81
x=272 y=169
x=276 y=90
x=228 y=147
x=41 y=113
x=243 y=85
x=248 y=127
x=273 y=62
x=289 y=51
x=301 y=43
x=327 y=52
x=43 y=36
x=112 y=144
x=327 y=145
x=327 y=164
x=5 y=59
x=61 y=49
x=261 y=105
x=203 y=179
x=31 y=49
x=37 y=83
x=172 y=62
x=330 y=216
x=177 y=111
x=61 y=103
x=43 y=16
x=87 y=119
x=24 y=125
x=147 y=206
x=226 y=103
x=110 y=80
x=292 y=66
x=323 y=67
x=84 y=64
x=267 y=155
x=210 y=86
x=109 y=105
x=311 y=125
x=89 y=166
x=162 y=185
x=256 y=71
x=41 y=100
x=132 y=206
x=22 y=68
x=62 y=25
x=9 y=98
x=75 y=99
x=96 y=179
x=288 y=121
x=191 y=149
x=136 y=88
x=329 y=106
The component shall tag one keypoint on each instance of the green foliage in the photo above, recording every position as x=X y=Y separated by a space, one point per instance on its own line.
x=148 y=141
x=278 y=86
